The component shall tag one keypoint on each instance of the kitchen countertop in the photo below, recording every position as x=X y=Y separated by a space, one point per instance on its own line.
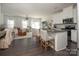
x=56 y=31
x=59 y=30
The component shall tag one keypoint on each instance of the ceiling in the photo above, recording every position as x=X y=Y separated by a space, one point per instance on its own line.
x=26 y=9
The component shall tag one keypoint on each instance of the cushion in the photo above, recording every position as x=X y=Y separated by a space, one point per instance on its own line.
x=2 y=34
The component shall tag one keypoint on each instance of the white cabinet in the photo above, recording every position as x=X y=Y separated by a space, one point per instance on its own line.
x=60 y=41
x=57 y=18
x=74 y=35
x=75 y=13
x=68 y=12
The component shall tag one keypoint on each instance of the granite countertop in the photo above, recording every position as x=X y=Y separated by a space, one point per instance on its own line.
x=56 y=31
x=53 y=32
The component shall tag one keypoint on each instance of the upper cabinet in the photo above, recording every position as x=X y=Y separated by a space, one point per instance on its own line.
x=75 y=13
x=57 y=18
x=68 y=12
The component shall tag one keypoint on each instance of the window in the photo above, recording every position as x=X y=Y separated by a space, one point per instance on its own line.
x=24 y=23
x=35 y=25
x=10 y=23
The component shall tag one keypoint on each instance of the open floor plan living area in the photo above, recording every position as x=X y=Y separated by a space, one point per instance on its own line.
x=38 y=29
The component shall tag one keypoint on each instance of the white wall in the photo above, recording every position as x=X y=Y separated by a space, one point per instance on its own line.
x=78 y=22
x=1 y=16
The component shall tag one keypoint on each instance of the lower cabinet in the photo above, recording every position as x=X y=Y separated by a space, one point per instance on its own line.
x=60 y=41
x=74 y=35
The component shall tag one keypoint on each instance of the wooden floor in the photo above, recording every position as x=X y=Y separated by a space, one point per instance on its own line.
x=29 y=47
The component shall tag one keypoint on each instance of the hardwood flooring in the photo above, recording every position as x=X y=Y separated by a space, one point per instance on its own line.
x=29 y=47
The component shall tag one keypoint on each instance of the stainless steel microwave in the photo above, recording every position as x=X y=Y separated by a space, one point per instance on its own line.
x=68 y=20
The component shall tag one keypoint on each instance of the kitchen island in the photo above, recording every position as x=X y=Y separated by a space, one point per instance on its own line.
x=60 y=39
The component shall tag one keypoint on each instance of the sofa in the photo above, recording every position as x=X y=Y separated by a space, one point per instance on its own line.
x=22 y=33
x=7 y=39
